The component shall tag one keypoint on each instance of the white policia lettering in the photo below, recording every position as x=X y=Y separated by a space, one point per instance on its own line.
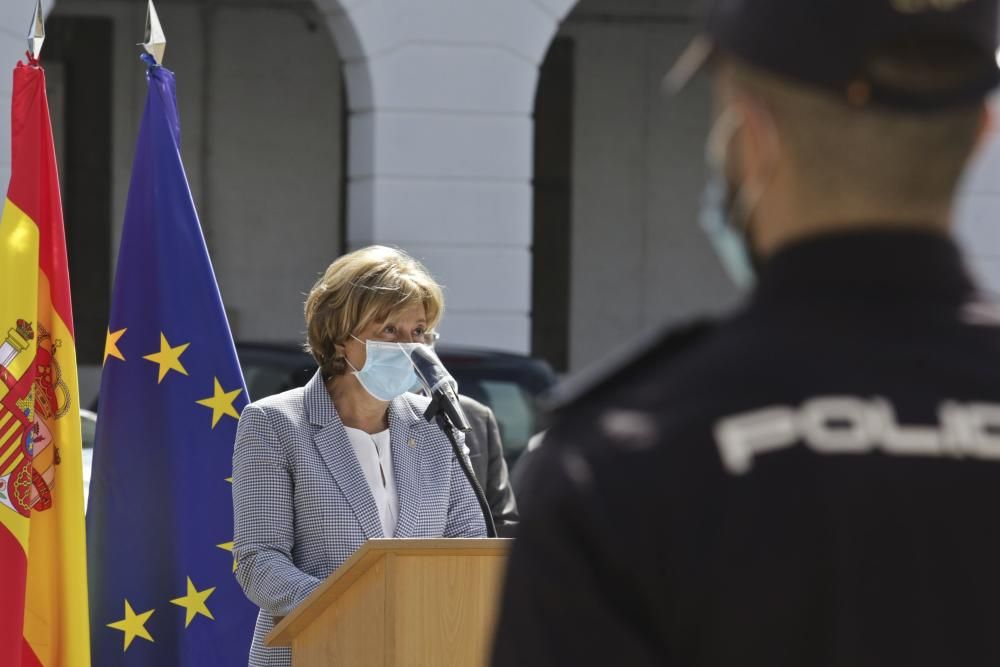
x=853 y=425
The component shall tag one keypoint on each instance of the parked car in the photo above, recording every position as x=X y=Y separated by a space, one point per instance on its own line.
x=510 y=384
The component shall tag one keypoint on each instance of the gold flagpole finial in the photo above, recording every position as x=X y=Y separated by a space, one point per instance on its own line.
x=154 y=42
x=36 y=31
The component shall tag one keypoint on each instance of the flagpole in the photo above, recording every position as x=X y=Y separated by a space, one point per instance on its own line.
x=154 y=41
x=36 y=32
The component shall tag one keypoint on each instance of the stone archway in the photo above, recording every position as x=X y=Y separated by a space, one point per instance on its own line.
x=440 y=102
x=441 y=95
x=631 y=182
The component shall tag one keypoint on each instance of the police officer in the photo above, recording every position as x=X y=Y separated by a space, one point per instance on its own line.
x=816 y=481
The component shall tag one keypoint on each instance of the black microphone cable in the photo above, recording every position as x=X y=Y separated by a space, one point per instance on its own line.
x=444 y=406
x=435 y=412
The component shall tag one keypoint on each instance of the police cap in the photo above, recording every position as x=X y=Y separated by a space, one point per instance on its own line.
x=906 y=54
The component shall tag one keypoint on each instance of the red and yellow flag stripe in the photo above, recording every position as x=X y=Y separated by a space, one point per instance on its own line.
x=42 y=549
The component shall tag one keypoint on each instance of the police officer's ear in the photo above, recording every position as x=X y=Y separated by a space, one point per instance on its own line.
x=986 y=125
x=759 y=143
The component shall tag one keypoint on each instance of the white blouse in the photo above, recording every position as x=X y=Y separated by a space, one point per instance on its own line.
x=374 y=453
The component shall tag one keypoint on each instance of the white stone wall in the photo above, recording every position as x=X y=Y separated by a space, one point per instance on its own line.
x=441 y=95
x=440 y=134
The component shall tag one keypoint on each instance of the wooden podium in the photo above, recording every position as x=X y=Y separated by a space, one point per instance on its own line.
x=414 y=602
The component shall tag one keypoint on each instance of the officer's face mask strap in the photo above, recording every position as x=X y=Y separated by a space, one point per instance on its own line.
x=745 y=196
x=727 y=209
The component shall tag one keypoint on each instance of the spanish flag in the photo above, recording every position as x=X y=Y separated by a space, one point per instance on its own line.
x=43 y=582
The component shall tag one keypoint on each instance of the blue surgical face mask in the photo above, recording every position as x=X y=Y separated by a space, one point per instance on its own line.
x=725 y=234
x=721 y=216
x=388 y=371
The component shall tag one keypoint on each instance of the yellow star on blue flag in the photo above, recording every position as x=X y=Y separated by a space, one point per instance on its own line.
x=168 y=358
x=133 y=625
x=221 y=402
x=194 y=602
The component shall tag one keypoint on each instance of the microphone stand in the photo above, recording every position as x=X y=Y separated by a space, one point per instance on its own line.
x=435 y=412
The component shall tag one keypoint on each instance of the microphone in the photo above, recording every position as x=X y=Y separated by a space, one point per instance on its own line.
x=440 y=386
x=444 y=409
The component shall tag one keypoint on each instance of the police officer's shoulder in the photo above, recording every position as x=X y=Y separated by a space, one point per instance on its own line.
x=981 y=311
x=566 y=457
x=650 y=355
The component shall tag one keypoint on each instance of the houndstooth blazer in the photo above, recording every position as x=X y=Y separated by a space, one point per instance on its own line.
x=302 y=506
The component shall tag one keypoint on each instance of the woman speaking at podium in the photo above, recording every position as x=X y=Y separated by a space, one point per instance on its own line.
x=318 y=470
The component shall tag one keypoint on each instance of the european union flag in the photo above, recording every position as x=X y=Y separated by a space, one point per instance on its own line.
x=160 y=519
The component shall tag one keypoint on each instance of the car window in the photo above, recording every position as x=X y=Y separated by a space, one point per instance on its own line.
x=509 y=386
x=513 y=406
x=266 y=380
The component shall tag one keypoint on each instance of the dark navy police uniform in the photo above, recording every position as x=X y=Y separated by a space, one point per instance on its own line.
x=815 y=482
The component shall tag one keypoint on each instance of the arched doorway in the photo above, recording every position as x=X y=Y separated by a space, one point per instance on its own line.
x=619 y=173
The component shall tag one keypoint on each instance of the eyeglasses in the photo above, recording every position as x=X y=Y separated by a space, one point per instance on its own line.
x=426 y=338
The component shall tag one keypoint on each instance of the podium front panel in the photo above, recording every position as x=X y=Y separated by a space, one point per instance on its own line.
x=401 y=602
x=351 y=631
x=445 y=609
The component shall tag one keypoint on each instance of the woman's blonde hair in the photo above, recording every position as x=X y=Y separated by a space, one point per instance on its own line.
x=365 y=286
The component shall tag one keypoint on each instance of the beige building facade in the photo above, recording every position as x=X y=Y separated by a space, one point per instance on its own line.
x=523 y=149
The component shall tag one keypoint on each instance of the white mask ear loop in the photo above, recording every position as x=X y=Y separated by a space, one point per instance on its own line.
x=720 y=137
x=348 y=361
